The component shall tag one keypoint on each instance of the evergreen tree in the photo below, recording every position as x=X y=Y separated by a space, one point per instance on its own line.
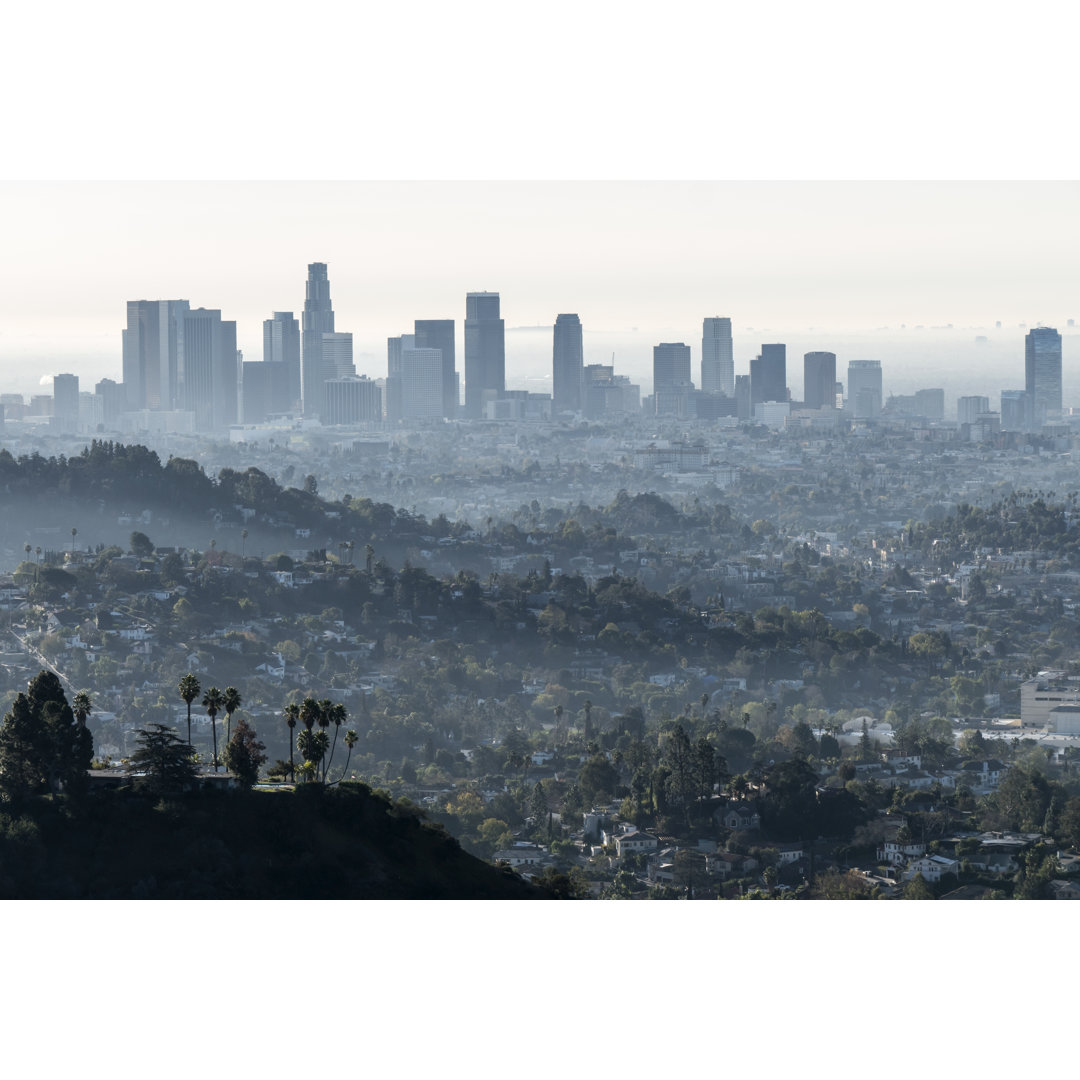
x=162 y=761
x=244 y=754
x=42 y=747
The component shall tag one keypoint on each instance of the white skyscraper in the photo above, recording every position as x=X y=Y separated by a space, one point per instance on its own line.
x=421 y=384
x=717 y=357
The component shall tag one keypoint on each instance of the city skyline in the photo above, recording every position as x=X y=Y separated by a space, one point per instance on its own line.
x=845 y=257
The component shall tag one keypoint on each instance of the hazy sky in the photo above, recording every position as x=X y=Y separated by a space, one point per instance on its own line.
x=849 y=170
x=782 y=258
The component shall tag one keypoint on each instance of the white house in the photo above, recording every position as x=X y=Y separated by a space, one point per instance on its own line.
x=634 y=843
x=932 y=867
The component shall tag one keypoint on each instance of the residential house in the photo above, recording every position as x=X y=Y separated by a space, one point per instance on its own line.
x=932 y=867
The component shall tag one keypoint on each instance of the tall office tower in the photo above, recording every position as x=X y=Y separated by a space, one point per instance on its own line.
x=318 y=319
x=265 y=391
x=91 y=412
x=1042 y=370
x=485 y=352
x=864 y=388
x=768 y=375
x=672 y=388
x=969 y=409
x=113 y=401
x=395 y=346
x=352 y=399
x=819 y=380
x=567 y=366
x=66 y=402
x=439 y=334
x=717 y=357
x=211 y=369
x=281 y=345
x=337 y=355
x=1013 y=410
x=930 y=403
x=421 y=384
x=744 y=408
x=671 y=366
x=153 y=354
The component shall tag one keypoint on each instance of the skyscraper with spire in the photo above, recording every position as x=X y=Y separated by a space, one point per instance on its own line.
x=318 y=319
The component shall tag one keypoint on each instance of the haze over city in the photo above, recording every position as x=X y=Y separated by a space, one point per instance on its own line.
x=906 y=273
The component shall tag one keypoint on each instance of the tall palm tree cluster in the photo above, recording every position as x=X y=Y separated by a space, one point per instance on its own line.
x=214 y=701
x=313 y=717
x=314 y=745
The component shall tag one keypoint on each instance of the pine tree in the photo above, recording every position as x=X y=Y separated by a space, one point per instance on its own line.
x=42 y=746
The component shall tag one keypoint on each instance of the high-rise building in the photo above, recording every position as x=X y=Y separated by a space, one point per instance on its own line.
x=930 y=403
x=439 y=334
x=337 y=355
x=211 y=369
x=66 y=402
x=113 y=401
x=768 y=375
x=608 y=394
x=969 y=409
x=1042 y=370
x=567 y=366
x=671 y=366
x=1014 y=410
x=395 y=347
x=672 y=387
x=717 y=357
x=421 y=384
x=153 y=354
x=864 y=388
x=744 y=409
x=352 y=399
x=318 y=319
x=819 y=380
x=281 y=345
x=485 y=352
x=265 y=391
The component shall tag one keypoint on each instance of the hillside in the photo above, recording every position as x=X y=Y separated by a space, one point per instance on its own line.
x=346 y=842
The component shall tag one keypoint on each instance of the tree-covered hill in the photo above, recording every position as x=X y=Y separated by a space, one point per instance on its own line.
x=314 y=843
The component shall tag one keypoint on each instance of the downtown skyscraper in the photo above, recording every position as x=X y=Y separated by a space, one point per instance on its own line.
x=768 y=375
x=318 y=319
x=1042 y=373
x=485 y=352
x=211 y=369
x=567 y=366
x=819 y=380
x=439 y=334
x=281 y=345
x=717 y=357
x=153 y=354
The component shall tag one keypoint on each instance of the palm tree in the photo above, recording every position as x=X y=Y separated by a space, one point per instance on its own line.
x=232 y=701
x=338 y=716
x=81 y=706
x=74 y=533
x=188 y=688
x=213 y=701
x=350 y=741
x=326 y=707
x=292 y=714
